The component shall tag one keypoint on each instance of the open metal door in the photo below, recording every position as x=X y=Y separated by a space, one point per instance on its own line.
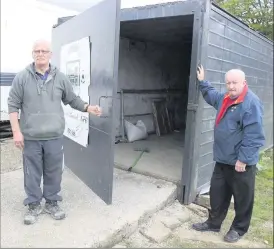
x=99 y=26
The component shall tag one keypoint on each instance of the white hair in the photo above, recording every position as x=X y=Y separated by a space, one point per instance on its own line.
x=43 y=41
x=237 y=72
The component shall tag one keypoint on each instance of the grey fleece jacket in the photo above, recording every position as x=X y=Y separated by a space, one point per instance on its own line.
x=42 y=115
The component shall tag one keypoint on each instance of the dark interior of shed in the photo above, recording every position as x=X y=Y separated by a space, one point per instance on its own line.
x=153 y=78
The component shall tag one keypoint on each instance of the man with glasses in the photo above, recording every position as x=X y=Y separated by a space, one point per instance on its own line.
x=38 y=91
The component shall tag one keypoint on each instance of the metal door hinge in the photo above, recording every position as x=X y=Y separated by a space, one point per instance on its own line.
x=192 y=107
x=203 y=7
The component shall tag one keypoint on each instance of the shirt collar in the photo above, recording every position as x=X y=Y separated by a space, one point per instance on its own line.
x=46 y=73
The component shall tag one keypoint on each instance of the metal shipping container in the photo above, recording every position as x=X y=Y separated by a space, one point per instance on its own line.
x=141 y=54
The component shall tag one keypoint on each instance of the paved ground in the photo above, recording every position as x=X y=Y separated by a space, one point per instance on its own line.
x=10 y=156
x=90 y=223
x=171 y=228
x=143 y=214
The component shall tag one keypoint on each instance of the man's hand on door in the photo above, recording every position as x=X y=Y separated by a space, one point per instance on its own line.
x=95 y=110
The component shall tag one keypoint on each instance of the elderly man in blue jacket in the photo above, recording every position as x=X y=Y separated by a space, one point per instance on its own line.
x=238 y=136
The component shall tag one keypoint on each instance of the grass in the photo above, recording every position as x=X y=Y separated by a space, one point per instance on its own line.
x=262 y=219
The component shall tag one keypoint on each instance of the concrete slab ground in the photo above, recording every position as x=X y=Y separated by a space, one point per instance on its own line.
x=90 y=222
x=164 y=160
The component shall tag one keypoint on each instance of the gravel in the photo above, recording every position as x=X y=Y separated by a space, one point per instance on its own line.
x=11 y=157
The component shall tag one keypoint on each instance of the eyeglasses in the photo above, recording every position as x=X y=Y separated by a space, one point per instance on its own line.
x=41 y=51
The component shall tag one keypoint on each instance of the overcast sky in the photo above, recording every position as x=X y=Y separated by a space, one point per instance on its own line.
x=81 y=5
x=20 y=24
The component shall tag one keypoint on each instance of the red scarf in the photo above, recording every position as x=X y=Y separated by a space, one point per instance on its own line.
x=227 y=102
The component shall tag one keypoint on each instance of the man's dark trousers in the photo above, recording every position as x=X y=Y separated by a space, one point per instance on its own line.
x=225 y=183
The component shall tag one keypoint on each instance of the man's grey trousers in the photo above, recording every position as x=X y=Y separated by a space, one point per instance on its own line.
x=43 y=158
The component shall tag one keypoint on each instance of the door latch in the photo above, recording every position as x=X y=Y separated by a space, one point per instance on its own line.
x=104 y=97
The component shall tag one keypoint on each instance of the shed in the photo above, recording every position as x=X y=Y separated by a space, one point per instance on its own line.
x=143 y=65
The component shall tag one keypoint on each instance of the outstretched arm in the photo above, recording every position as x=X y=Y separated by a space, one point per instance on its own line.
x=210 y=94
x=69 y=97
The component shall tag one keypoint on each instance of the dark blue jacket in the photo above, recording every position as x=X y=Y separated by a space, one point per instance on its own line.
x=239 y=135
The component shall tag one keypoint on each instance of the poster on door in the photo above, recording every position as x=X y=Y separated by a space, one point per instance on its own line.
x=75 y=63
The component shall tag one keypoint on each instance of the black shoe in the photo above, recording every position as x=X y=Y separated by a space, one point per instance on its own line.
x=32 y=214
x=204 y=227
x=232 y=236
x=52 y=208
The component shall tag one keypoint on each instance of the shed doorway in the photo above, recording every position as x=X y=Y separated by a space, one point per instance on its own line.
x=152 y=93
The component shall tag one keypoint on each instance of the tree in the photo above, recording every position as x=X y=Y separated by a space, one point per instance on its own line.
x=258 y=14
